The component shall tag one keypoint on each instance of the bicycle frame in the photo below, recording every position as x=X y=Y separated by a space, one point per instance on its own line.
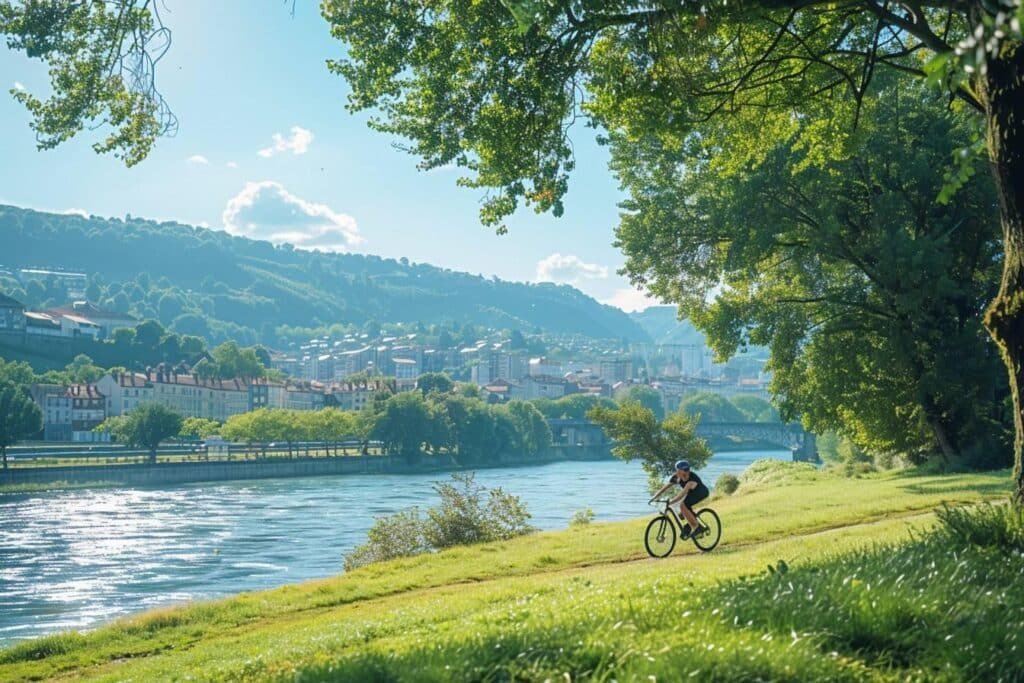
x=671 y=513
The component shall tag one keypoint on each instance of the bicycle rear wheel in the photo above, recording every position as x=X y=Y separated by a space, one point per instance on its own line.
x=660 y=537
x=707 y=540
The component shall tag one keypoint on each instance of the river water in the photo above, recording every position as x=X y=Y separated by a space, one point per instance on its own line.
x=74 y=559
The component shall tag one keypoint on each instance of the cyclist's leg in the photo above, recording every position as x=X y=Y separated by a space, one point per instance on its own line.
x=686 y=507
x=688 y=515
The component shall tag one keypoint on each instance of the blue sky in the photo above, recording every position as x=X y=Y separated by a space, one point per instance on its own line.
x=266 y=148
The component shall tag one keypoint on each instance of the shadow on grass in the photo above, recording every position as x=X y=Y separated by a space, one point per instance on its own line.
x=930 y=480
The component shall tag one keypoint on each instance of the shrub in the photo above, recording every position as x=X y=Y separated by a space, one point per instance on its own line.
x=986 y=526
x=768 y=471
x=582 y=517
x=397 y=535
x=727 y=484
x=468 y=513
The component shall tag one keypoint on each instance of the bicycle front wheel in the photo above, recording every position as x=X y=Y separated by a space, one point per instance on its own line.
x=660 y=537
x=707 y=540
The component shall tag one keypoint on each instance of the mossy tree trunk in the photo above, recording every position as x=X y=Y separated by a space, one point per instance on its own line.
x=1002 y=92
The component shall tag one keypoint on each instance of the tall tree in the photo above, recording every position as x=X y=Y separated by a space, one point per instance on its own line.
x=658 y=445
x=146 y=426
x=496 y=94
x=21 y=417
x=868 y=293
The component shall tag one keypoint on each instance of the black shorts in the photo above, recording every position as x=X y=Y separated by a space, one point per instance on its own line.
x=695 y=496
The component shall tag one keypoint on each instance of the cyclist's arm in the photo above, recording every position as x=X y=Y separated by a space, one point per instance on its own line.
x=661 y=491
x=690 y=485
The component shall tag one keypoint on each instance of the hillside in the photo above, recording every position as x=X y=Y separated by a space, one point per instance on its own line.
x=211 y=284
x=663 y=327
x=587 y=603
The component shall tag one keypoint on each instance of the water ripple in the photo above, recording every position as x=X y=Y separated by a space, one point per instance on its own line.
x=73 y=559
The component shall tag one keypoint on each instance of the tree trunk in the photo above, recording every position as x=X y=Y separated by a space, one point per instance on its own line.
x=1002 y=92
x=3 y=452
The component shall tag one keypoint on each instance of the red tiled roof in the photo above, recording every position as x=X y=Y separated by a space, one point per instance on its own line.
x=83 y=391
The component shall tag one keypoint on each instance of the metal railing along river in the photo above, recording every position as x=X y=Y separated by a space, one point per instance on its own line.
x=63 y=455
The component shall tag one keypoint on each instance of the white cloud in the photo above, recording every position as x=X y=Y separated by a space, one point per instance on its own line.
x=76 y=212
x=569 y=269
x=298 y=143
x=231 y=164
x=18 y=85
x=630 y=300
x=199 y=159
x=265 y=210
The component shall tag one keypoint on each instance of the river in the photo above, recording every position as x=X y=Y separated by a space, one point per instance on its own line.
x=74 y=559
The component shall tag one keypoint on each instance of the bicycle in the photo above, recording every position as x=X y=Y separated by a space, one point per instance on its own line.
x=661 y=534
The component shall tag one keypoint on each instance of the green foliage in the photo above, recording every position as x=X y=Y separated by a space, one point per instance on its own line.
x=471 y=513
x=146 y=425
x=582 y=518
x=82 y=370
x=776 y=473
x=267 y=425
x=397 y=535
x=198 y=428
x=100 y=57
x=20 y=417
x=727 y=484
x=230 y=361
x=755 y=409
x=572 y=407
x=467 y=513
x=17 y=373
x=646 y=396
x=405 y=424
x=1000 y=527
x=533 y=430
x=638 y=434
x=873 y=325
x=711 y=408
x=230 y=288
x=434 y=381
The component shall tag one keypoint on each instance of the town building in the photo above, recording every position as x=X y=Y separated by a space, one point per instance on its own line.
x=356 y=396
x=55 y=405
x=107 y=321
x=542 y=386
x=544 y=367
x=406 y=372
x=88 y=411
x=73 y=284
x=617 y=370
x=12 y=315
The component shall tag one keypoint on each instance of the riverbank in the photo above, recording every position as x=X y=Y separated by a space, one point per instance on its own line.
x=22 y=479
x=587 y=602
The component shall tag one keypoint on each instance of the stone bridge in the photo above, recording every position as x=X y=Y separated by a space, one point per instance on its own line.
x=791 y=436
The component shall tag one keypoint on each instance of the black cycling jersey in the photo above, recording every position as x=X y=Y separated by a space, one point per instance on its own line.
x=693 y=477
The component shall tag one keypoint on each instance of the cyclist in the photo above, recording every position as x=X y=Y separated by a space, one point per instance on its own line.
x=693 y=492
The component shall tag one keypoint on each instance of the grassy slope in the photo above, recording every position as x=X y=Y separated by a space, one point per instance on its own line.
x=578 y=601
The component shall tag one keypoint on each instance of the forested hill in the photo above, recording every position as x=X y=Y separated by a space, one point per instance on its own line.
x=206 y=282
x=664 y=327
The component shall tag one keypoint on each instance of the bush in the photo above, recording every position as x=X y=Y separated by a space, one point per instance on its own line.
x=397 y=535
x=727 y=484
x=582 y=517
x=987 y=526
x=768 y=471
x=468 y=513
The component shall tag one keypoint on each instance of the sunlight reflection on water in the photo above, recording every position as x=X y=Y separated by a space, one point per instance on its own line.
x=71 y=559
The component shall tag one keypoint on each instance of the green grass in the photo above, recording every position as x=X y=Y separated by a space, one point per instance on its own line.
x=588 y=603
